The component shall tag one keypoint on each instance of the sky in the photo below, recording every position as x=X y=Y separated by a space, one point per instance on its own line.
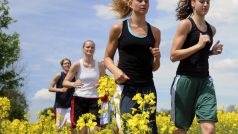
x=53 y=29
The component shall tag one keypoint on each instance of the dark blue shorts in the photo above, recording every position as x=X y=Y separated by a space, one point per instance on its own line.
x=127 y=103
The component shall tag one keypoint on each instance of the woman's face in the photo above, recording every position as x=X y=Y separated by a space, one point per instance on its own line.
x=89 y=48
x=66 y=65
x=201 y=7
x=139 y=6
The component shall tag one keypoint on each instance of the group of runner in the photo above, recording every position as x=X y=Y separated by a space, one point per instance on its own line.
x=138 y=42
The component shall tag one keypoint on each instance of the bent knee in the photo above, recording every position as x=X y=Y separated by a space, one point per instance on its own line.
x=208 y=127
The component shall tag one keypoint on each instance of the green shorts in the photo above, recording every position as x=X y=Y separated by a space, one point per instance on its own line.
x=192 y=96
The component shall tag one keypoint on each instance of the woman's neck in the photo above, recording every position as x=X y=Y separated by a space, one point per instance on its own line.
x=66 y=71
x=138 y=20
x=88 y=60
x=199 y=20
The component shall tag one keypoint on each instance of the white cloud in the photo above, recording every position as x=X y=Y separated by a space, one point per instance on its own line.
x=225 y=83
x=224 y=11
x=220 y=10
x=225 y=75
x=163 y=79
x=166 y=23
x=104 y=11
x=168 y=6
x=44 y=94
x=226 y=64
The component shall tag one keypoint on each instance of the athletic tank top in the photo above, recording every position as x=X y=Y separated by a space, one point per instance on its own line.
x=135 y=57
x=197 y=64
x=62 y=100
x=89 y=78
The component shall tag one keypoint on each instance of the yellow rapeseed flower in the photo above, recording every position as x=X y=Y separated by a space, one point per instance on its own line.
x=86 y=120
x=107 y=86
x=4 y=107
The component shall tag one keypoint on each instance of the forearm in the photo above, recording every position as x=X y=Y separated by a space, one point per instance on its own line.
x=156 y=64
x=52 y=89
x=211 y=53
x=68 y=84
x=181 y=54
x=110 y=65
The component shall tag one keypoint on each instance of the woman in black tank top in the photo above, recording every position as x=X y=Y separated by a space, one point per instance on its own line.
x=191 y=46
x=138 y=45
x=63 y=95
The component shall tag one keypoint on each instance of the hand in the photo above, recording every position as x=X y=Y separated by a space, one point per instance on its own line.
x=64 y=89
x=77 y=84
x=217 y=48
x=155 y=52
x=96 y=85
x=120 y=77
x=203 y=40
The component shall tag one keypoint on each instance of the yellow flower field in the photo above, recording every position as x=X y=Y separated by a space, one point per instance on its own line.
x=136 y=122
x=228 y=124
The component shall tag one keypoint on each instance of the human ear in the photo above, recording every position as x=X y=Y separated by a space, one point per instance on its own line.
x=192 y=3
x=129 y=3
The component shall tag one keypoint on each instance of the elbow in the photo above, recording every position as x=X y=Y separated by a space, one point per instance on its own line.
x=67 y=84
x=64 y=84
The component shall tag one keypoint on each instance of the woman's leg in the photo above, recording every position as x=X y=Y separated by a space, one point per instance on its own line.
x=207 y=127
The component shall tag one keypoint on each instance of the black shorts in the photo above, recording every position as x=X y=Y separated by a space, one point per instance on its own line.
x=80 y=106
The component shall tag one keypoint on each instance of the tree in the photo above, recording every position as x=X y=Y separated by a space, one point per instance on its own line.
x=45 y=112
x=232 y=108
x=10 y=79
x=18 y=103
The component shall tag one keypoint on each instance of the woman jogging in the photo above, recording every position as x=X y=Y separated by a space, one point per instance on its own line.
x=192 y=90
x=87 y=72
x=138 y=45
x=63 y=95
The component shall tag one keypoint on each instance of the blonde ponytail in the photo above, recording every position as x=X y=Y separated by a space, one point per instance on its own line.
x=121 y=7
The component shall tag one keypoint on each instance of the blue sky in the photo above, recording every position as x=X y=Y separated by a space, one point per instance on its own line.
x=53 y=29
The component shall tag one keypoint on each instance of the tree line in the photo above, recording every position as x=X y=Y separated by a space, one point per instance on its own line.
x=11 y=80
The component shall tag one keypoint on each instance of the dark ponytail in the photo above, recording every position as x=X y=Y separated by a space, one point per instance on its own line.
x=184 y=9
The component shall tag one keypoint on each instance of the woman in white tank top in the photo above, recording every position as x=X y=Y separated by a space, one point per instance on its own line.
x=87 y=72
x=88 y=76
